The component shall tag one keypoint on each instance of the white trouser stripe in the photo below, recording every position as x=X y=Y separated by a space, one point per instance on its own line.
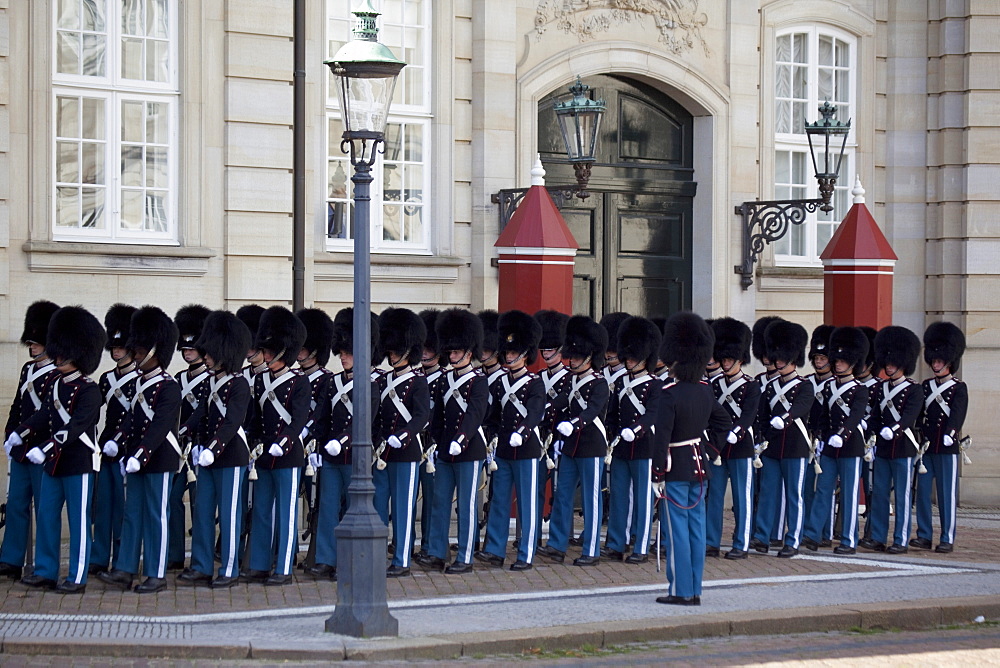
x=631 y=506
x=234 y=508
x=952 y=462
x=747 y=502
x=411 y=500
x=164 y=500
x=642 y=542
x=473 y=520
x=81 y=557
x=851 y=506
x=595 y=526
x=799 y=502
x=532 y=520
x=904 y=512
x=291 y=536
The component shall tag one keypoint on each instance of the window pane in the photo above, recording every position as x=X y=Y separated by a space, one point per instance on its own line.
x=825 y=84
x=392 y=226
x=781 y=171
x=67 y=162
x=156 y=18
x=414 y=143
x=156 y=168
x=93 y=163
x=783 y=49
x=67 y=207
x=131 y=210
x=132 y=126
x=132 y=163
x=94 y=55
x=800 y=48
x=132 y=17
x=67 y=117
x=156 y=123
x=155 y=219
x=157 y=61
x=92 y=204
x=798 y=117
x=68 y=14
x=843 y=86
x=132 y=63
x=68 y=53
x=825 y=50
x=93 y=16
x=843 y=54
x=413 y=180
x=800 y=80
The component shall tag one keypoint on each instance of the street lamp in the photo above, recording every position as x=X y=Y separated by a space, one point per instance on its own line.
x=366 y=74
x=768 y=221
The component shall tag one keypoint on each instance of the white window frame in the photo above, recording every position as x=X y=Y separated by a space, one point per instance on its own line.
x=799 y=143
x=115 y=89
x=408 y=114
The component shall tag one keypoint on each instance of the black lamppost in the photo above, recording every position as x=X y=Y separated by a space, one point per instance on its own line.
x=366 y=74
x=768 y=221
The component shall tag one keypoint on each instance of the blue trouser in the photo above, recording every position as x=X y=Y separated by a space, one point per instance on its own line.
x=275 y=520
x=739 y=472
x=176 y=529
x=779 y=475
x=459 y=480
x=145 y=528
x=397 y=483
x=522 y=476
x=25 y=484
x=943 y=470
x=220 y=492
x=108 y=513
x=778 y=520
x=587 y=472
x=848 y=469
x=891 y=474
x=76 y=493
x=683 y=528
x=809 y=497
x=426 y=505
x=627 y=476
x=334 y=480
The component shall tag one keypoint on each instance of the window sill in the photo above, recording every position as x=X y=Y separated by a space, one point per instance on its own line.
x=120 y=259
x=387 y=268
x=790 y=279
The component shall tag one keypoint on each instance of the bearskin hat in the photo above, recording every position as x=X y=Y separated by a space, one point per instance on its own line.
x=116 y=322
x=491 y=339
x=732 y=340
x=687 y=346
x=849 y=344
x=585 y=338
x=249 y=315
x=225 y=339
x=319 y=333
x=520 y=333
x=281 y=333
x=757 y=345
x=553 y=324
x=659 y=321
x=343 y=333
x=944 y=341
x=819 y=343
x=430 y=316
x=897 y=346
x=75 y=334
x=459 y=329
x=786 y=341
x=153 y=330
x=611 y=322
x=869 y=333
x=403 y=332
x=36 y=322
x=639 y=340
x=189 y=320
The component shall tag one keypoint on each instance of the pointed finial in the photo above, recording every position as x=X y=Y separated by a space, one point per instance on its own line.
x=537 y=172
x=858 y=191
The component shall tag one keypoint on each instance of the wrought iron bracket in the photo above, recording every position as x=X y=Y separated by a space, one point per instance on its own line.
x=509 y=198
x=766 y=222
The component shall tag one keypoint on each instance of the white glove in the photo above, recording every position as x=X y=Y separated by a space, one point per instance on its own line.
x=275 y=450
x=660 y=489
x=205 y=457
x=864 y=425
x=836 y=441
x=516 y=439
x=628 y=435
x=36 y=456
x=132 y=465
x=12 y=441
x=455 y=449
x=777 y=422
x=394 y=442
x=196 y=451
x=819 y=447
x=333 y=447
x=886 y=433
x=565 y=428
x=121 y=466
x=732 y=438
x=315 y=460
x=948 y=441
x=110 y=448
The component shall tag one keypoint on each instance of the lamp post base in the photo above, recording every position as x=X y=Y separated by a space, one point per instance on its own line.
x=362 y=610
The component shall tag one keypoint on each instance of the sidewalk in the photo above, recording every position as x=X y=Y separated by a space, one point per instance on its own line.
x=495 y=611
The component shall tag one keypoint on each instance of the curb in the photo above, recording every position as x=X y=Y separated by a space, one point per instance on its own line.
x=908 y=615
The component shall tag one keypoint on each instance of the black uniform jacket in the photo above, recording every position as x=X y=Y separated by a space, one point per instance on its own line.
x=320 y=380
x=908 y=401
x=937 y=421
x=270 y=425
x=219 y=419
x=411 y=389
x=763 y=413
x=23 y=406
x=193 y=382
x=740 y=396
x=117 y=389
x=555 y=383
x=505 y=417
x=340 y=423
x=684 y=411
x=66 y=453
x=815 y=423
x=628 y=394
x=584 y=404
x=787 y=443
x=145 y=437
x=451 y=422
x=844 y=407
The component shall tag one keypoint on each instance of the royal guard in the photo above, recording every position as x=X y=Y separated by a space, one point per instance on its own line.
x=614 y=365
x=403 y=413
x=194 y=391
x=117 y=387
x=517 y=409
x=631 y=418
x=786 y=402
x=24 y=481
x=555 y=379
x=333 y=461
x=249 y=315
x=489 y=360
x=686 y=410
x=224 y=454
x=459 y=402
x=764 y=378
x=739 y=395
x=152 y=453
x=430 y=362
x=282 y=396
x=845 y=403
x=583 y=442
x=946 y=402
x=900 y=401
x=822 y=374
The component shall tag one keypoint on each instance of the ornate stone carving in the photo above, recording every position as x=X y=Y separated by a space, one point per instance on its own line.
x=678 y=22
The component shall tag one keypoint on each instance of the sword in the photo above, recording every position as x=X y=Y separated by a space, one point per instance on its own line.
x=380 y=463
x=491 y=450
x=921 y=469
x=963 y=445
x=429 y=455
x=758 y=448
x=611 y=450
